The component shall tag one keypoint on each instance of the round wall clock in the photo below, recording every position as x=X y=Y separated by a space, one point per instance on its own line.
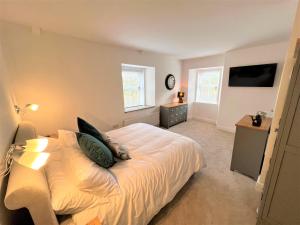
x=170 y=82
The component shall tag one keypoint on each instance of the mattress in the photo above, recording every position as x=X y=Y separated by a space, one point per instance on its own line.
x=162 y=162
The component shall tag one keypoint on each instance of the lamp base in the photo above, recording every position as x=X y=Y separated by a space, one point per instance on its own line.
x=180 y=100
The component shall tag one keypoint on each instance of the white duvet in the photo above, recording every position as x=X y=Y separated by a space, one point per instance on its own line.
x=162 y=162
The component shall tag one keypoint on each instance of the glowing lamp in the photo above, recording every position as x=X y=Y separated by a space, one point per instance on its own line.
x=32 y=107
x=180 y=95
x=33 y=160
x=31 y=155
x=36 y=145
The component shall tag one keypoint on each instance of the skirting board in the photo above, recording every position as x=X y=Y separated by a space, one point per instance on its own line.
x=225 y=128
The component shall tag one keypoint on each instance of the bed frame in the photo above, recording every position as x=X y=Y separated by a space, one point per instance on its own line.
x=29 y=188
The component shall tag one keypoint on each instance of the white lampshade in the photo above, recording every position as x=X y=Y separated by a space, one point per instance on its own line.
x=32 y=154
x=36 y=145
x=33 y=107
x=33 y=160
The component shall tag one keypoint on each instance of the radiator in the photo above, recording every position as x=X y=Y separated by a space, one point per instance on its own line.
x=150 y=118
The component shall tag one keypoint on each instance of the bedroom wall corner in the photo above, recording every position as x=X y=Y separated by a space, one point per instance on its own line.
x=235 y=102
x=199 y=111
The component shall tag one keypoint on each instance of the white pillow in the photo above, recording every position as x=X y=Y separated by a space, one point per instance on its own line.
x=86 y=174
x=66 y=198
x=68 y=138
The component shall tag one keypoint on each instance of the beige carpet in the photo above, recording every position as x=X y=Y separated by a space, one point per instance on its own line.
x=215 y=195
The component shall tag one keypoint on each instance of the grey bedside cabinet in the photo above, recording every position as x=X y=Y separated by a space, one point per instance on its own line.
x=172 y=114
x=249 y=146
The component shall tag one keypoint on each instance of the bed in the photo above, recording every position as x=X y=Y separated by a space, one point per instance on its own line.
x=162 y=162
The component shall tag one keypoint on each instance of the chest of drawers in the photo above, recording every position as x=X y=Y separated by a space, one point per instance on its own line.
x=172 y=114
x=249 y=146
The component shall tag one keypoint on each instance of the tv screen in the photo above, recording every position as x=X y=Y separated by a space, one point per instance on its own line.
x=253 y=76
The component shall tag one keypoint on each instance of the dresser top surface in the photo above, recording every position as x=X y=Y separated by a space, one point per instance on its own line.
x=246 y=121
x=173 y=104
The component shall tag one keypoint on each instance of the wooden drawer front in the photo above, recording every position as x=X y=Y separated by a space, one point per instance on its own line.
x=182 y=110
x=172 y=119
x=177 y=114
x=170 y=116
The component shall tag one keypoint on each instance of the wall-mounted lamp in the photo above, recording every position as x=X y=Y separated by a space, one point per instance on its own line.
x=31 y=155
x=32 y=107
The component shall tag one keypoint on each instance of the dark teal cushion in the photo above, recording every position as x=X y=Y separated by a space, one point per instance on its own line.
x=87 y=128
x=95 y=150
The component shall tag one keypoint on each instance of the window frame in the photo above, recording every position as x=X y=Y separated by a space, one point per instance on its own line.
x=219 y=85
x=144 y=69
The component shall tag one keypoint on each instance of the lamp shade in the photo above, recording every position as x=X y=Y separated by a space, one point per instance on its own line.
x=32 y=154
x=36 y=145
x=180 y=94
x=33 y=160
x=32 y=107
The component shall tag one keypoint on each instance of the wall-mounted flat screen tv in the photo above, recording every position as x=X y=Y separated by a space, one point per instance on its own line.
x=253 y=76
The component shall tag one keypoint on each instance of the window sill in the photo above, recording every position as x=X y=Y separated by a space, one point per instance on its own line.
x=208 y=103
x=132 y=109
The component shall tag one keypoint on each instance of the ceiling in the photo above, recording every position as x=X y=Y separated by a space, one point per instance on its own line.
x=185 y=28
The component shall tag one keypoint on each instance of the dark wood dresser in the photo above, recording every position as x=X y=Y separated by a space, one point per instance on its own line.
x=172 y=114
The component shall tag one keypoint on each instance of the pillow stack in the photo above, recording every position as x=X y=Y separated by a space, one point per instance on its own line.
x=86 y=174
x=78 y=168
x=66 y=196
x=119 y=151
x=95 y=150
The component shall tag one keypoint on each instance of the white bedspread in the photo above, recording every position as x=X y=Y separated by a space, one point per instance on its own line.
x=162 y=162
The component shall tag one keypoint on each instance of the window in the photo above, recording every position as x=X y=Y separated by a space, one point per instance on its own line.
x=133 y=86
x=207 y=87
x=138 y=87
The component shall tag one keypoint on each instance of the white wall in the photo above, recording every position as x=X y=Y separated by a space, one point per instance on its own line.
x=70 y=77
x=235 y=102
x=283 y=89
x=8 y=126
x=8 y=117
x=201 y=111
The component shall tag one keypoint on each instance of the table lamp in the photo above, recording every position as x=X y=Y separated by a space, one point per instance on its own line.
x=180 y=95
x=31 y=155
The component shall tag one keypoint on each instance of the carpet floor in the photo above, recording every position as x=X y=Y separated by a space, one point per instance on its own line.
x=215 y=195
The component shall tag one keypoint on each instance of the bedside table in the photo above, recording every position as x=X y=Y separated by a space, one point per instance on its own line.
x=249 y=146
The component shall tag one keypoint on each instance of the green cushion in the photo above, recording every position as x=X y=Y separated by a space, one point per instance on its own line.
x=87 y=128
x=95 y=150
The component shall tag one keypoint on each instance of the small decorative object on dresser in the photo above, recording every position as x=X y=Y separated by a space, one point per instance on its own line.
x=172 y=114
x=256 y=120
x=180 y=95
